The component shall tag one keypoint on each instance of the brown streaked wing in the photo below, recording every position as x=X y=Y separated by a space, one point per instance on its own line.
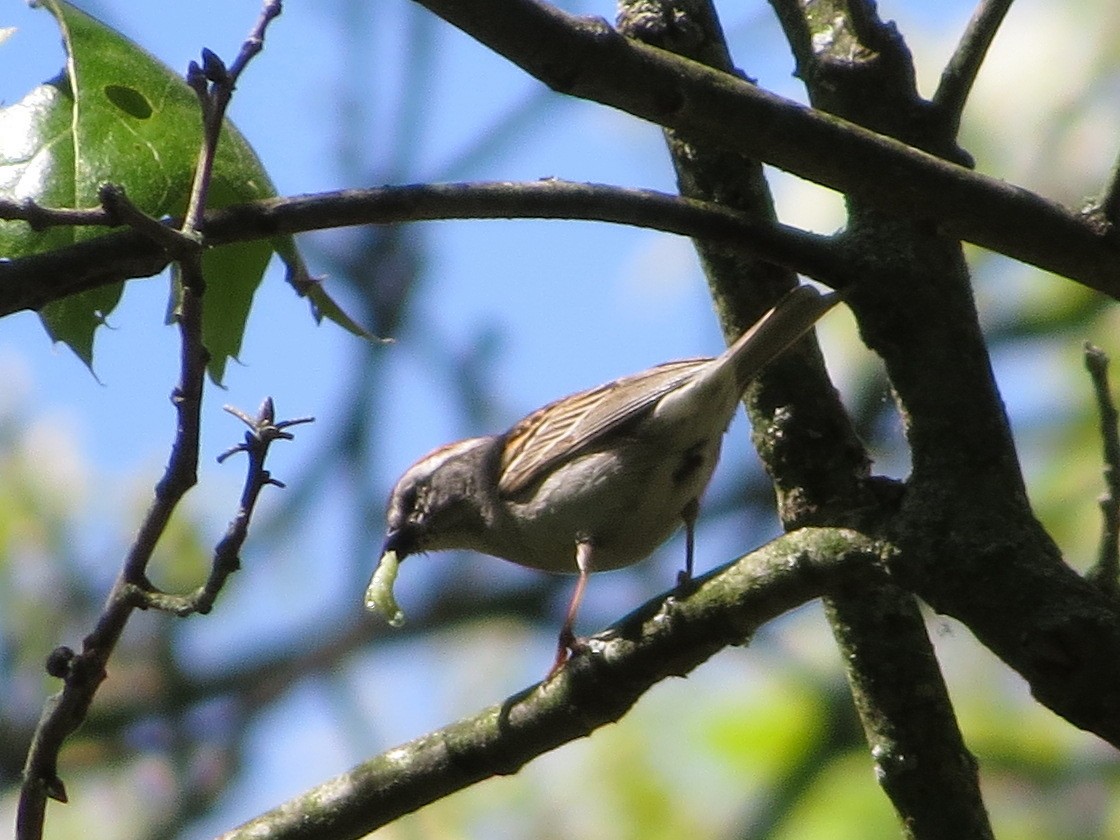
x=563 y=429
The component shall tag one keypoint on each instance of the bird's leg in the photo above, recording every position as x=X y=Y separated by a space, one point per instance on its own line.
x=689 y=514
x=568 y=643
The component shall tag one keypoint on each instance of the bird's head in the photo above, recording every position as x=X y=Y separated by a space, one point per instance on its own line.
x=437 y=503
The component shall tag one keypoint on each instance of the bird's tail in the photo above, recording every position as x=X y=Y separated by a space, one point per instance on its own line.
x=789 y=319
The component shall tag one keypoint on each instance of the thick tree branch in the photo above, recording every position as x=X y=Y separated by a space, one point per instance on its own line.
x=666 y=637
x=587 y=58
x=820 y=468
x=30 y=282
x=969 y=542
x=920 y=757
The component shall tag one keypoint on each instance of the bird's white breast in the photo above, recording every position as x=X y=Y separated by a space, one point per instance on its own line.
x=626 y=501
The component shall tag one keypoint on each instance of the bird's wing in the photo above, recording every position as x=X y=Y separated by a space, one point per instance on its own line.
x=566 y=428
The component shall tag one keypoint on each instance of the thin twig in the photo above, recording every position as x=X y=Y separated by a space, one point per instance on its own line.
x=263 y=431
x=178 y=244
x=40 y=218
x=960 y=73
x=1105 y=573
x=83 y=672
x=1108 y=205
x=214 y=84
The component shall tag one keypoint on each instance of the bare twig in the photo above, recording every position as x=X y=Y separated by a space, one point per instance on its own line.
x=39 y=217
x=960 y=73
x=1105 y=573
x=1108 y=205
x=263 y=430
x=83 y=672
x=178 y=244
x=214 y=84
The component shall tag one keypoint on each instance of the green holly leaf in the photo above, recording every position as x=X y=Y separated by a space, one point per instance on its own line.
x=116 y=114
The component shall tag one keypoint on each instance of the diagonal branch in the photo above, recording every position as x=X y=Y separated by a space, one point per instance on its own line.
x=587 y=58
x=820 y=469
x=665 y=637
x=82 y=673
x=1105 y=573
x=920 y=757
x=965 y=510
x=964 y=66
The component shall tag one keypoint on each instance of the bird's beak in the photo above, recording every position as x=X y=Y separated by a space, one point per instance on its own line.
x=400 y=540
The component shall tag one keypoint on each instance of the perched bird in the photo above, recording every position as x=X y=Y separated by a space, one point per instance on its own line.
x=594 y=481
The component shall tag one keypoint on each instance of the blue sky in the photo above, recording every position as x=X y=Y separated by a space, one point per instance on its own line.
x=573 y=304
x=638 y=289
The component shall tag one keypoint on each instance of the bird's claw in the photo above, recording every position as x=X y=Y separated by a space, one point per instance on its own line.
x=568 y=646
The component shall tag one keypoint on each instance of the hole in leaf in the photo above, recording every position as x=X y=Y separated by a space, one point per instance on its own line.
x=129 y=100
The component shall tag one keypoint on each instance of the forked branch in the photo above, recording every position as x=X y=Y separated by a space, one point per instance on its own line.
x=82 y=672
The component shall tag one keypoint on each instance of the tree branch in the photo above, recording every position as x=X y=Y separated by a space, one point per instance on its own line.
x=820 y=469
x=587 y=58
x=920 y=757
x=30 y=282
x=668 y=636
x=1105 y=573
x=83 y=673
x=264 y=429
x=964 y=65
x=965 y=510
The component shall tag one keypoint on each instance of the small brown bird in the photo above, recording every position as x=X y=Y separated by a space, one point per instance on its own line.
x=594 y=481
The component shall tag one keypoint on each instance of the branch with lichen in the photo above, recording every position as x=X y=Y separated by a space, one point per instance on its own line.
x=668 y=636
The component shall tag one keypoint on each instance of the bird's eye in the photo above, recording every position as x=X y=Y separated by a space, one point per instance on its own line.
x=415 y=502
x=408 y=500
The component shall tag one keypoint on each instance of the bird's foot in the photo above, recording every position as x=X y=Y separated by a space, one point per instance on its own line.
x=686 y=583
x=567 y=646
